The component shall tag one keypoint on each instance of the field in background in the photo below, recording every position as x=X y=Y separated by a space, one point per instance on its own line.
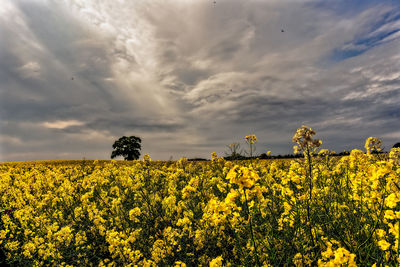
x=319 y=210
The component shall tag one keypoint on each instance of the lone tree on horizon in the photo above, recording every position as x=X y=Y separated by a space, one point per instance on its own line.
x=128 y=147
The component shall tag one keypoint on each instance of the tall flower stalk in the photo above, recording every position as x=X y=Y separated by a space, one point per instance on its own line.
x=245 y=178
x=308 y=146
x=251 y=141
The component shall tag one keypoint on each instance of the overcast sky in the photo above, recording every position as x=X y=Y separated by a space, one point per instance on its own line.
x=191 y=76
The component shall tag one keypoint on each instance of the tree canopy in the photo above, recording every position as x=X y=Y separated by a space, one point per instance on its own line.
x=127 y=147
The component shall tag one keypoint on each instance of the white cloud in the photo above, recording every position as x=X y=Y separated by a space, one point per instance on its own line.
x=30 y=70
x=392 y=135
x=62 y=124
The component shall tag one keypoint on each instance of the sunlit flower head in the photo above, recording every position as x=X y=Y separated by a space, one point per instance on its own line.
x=304 y=139
x=146 y=158
x=373 y=144
x=242 y=176
x=252 y=138
x=217 y=262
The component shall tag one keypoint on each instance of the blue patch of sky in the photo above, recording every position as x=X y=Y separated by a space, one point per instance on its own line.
x=364 y=41
x=345 y=8
x=360 y=46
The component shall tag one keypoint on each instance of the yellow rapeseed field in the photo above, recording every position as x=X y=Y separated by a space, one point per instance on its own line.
x=318 y=210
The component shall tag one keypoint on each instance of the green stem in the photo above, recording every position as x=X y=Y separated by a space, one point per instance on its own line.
x=251 y=227
x=310 y=195
x=236 y=238
x=398 y=243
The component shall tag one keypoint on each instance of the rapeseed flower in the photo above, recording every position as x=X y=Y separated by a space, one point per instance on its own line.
x=134 y=214
x=252 y=138
x=242 y=176
x=394 y=156
x=183 y=212
x=217 y=262
x=384 y=245
x=373 y=144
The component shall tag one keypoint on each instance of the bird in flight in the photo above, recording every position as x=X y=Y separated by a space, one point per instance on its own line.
x=282 y=30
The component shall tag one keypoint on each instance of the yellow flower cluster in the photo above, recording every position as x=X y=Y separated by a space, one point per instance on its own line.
x=321 y=210
x=394 y=156
x=242 y=176
x=338 y=257
x=373 y=144
x=252 y=138
x=304 y=139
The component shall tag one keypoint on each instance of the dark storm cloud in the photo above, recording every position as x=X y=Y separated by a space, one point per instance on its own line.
x=70 y=66
x=190 y=78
